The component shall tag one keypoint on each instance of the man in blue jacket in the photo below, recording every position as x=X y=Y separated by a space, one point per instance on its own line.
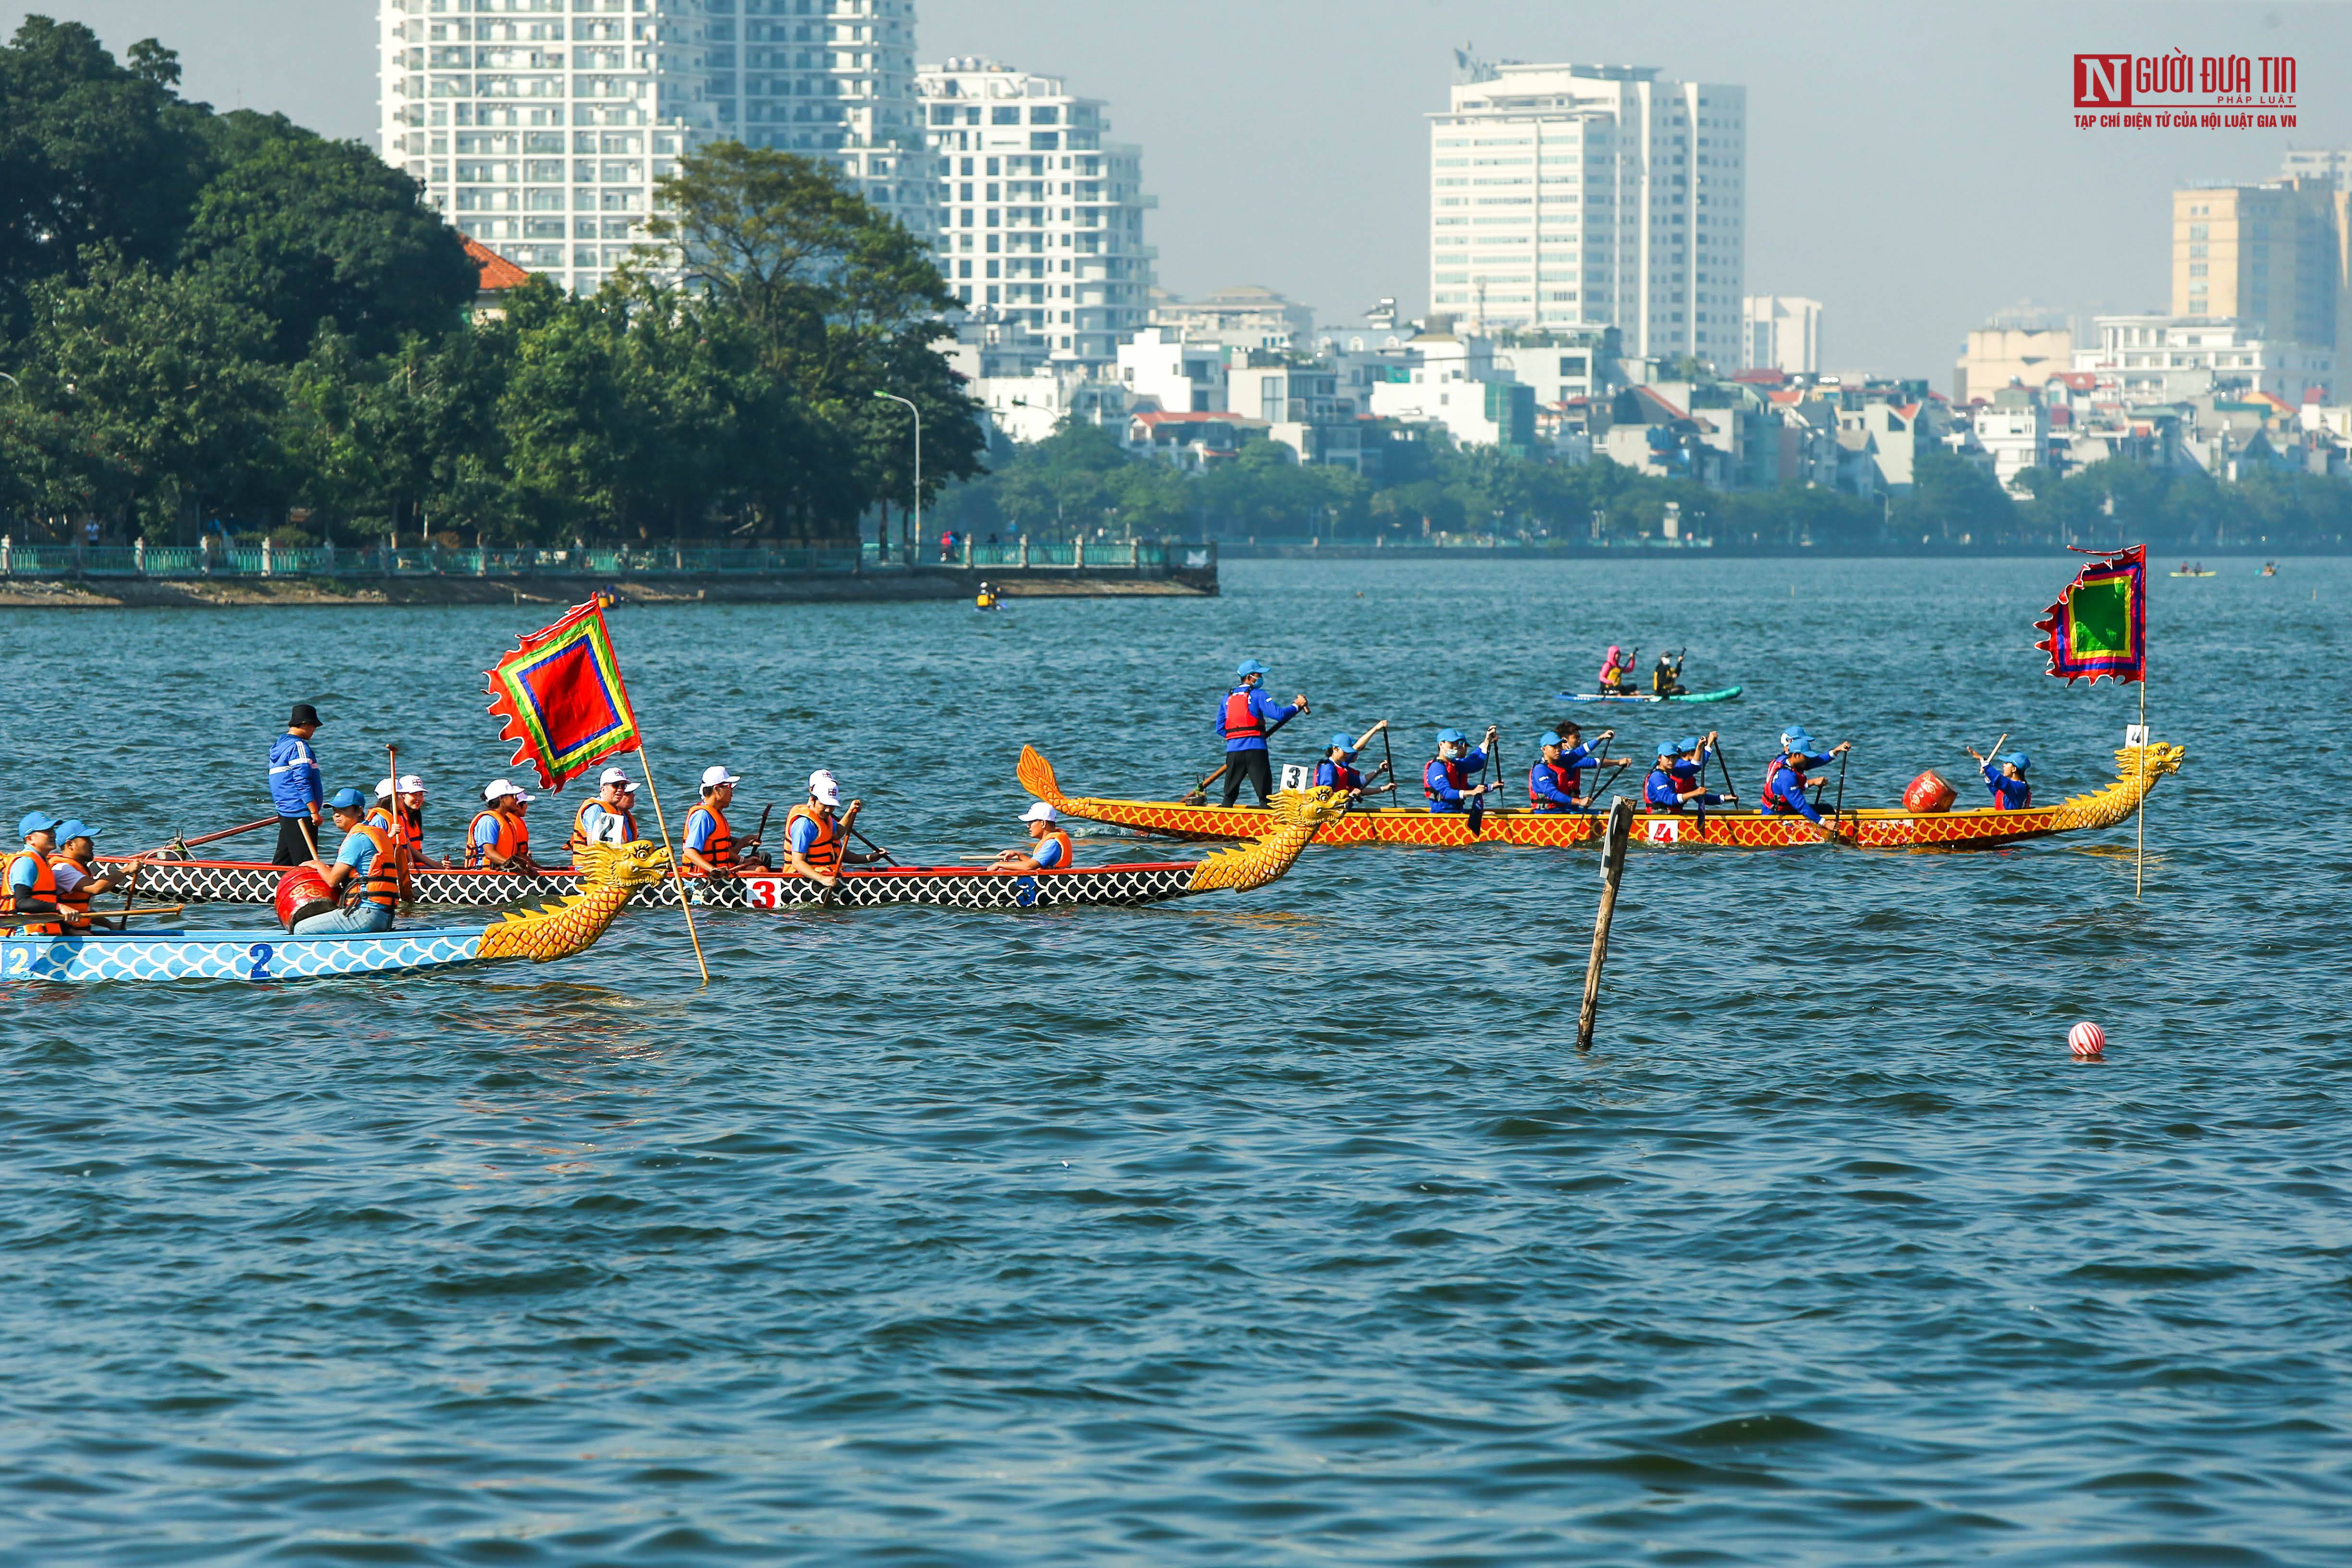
x=1246 y=717
x=294 y=787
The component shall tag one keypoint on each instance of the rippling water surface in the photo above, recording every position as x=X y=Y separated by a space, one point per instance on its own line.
x=1284 y=1229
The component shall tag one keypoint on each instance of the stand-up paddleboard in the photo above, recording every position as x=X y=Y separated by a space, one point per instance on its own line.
x=1726 y=695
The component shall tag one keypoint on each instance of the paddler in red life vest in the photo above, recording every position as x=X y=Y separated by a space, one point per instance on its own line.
x=711 y=847
x=609 y=819
x=2005 y=776
x=1445 y=781
x=368 y=857
x=498 y=838
x=1050 y=848
x=1784 y=776
x=32 y=881
x=73 y=865
x=1244 y=718
x=1674 y=785
x=816 y=842
x=1337 y=770
x=1556 y=784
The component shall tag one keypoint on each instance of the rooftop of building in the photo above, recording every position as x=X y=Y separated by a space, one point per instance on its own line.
x=496 y=271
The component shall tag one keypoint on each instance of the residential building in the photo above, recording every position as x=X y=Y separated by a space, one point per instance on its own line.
x=1303 y=405
x=1997 y=356
x=1591 y=196
x=1160 y=366
x=1559 y=365
x=1781 y=333
x=2169 y=359
x=2013 y=428
x=541 y=133
x=2270 y=256
x=1244 y=316
x=1042 y=215
x=1451 y=380
x=1191 y=441
x=1031 y=407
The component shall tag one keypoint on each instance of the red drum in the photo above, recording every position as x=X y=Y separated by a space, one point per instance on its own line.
x=1929 y=792
x=301 y=893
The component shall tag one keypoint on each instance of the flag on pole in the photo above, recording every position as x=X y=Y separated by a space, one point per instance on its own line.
x=562 y=699
x=2099 y=624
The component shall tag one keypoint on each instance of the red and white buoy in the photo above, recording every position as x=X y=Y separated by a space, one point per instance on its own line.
x=2086 y=1039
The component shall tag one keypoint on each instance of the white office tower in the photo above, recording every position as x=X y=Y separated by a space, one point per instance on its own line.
x=1783 y=334
x=1565 y=196
x=1042 y=222
x=539 y=126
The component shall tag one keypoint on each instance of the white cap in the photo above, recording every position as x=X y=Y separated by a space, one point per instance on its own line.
x=615 y=775
x=498 y=787
x=714 y=775
x=410 y=785
x=1041 y=812
x=382 y=788
x=822 y=787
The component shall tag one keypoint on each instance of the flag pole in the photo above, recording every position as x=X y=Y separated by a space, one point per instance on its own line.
x=676 y=873
x=2139 y=868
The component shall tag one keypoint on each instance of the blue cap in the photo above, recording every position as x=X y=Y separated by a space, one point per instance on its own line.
x=1688 y=743
x=1669 y=749
x=75 y=829
x=1549 y=738
x=35 y=822
x=2019 y=761
x=1447 y=737
x=1344 y=744
x=1250 y=667
x=1794 y=738
x=347 y=800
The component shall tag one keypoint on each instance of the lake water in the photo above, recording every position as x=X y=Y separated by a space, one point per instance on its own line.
x=1274 y=1229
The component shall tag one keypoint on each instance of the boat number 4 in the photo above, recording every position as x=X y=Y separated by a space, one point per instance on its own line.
x=260 y=953
x=1666 y=831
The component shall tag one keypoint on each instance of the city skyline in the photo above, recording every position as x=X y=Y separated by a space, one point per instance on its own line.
x=1914 y=173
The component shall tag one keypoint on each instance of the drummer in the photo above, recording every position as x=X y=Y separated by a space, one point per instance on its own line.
x=2005 y=777
x=367 y=855
x=1050 y=848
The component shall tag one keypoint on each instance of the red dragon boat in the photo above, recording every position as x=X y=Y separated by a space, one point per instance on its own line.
x=2136 y=770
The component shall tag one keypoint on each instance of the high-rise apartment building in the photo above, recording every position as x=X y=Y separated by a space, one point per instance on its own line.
x=2332 y=164
x=1782 y=333
x=1041 y=221
x=1591 y=196
x=2269 y=257
x=539 y=126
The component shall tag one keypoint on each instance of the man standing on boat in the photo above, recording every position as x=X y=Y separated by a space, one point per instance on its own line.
x=1245 y=719
x=498 y=838
x=31 y=886
x=611 y=817
x=295 y=788
x=1445 y=780
x=816 y=842
x=1050 y=848
x=2005 y=776
x=369 y=855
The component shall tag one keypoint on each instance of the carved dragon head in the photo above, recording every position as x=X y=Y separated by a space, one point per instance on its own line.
x=635 y=865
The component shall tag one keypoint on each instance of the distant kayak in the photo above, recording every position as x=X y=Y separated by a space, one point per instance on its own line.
x=1726 y=695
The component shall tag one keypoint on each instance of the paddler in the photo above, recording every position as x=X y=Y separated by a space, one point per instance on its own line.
x=1050 y=848
x=1580 y=759
x=1616 y=673
x=73 y=865
x=1445 y=779
x=1784 y=776
x=295 y=787
x=816 y=842
x=1337 y=770
x=498 y=838
x=367 y=854
x=2005 y=777
x=1690 y=770
x=711 y=845
x=609 y=819
x=1674 y=784
x=1666 y=676
x=986 y=598
x=1244 y=718
x=399 y=810
x=32 y=881
x=1551 y=783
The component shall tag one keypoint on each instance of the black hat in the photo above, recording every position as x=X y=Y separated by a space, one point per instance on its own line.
x=303 y=714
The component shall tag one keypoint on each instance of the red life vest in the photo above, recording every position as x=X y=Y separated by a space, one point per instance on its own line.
x=514 y=838
x=1457 y=774
x=722 y=849
x=381 y=885
x=1069 y=850
x=1242 y=722
x=43 y=890
x=76 y=902
x=1773 y=799
x=1343 y=777
x=1567 y=778
x=824 y=850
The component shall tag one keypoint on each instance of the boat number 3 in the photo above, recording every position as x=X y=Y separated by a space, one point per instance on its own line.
x=761 y=892
x=260 y=953
x=1027 y=893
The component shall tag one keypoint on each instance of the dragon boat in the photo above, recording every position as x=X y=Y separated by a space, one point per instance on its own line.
x=2136 y=770
x=1278 y=838
x=569 y=926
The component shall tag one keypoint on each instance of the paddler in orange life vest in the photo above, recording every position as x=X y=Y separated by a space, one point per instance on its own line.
x=1784 y=776
x=400 y=811
x=609 y=819
x=816 y=842
x=710 y=846
x=369 y=858
x=1445 y=780
x=1050 y=848
x=76 y=855
x=1246 y=717
x=498 y=838
x=32 y=881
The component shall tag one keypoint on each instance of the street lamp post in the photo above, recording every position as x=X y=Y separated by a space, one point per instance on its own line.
x=915 y=551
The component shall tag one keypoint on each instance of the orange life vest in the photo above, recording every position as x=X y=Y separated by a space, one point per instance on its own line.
x=1069 y=850
x=514 y=837
x=579 y=825
x=382 y=884
x=722 y=849
x=76 y=902
x=43 y=890
x=824 y=851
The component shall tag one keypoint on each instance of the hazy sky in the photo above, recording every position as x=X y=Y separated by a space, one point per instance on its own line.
x=1912 y=166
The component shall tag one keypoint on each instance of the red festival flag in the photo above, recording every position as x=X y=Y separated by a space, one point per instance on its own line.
x=561 y=697
x=2099 y=624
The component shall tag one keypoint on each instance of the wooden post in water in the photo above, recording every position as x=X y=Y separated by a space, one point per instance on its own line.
x=1613 y=871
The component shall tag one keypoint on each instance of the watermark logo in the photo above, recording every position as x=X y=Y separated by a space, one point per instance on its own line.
x=2180 y=91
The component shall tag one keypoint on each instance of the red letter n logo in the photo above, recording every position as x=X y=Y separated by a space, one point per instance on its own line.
x=2102 y=82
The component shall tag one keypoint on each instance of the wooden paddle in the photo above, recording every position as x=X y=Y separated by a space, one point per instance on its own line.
x=209 y=837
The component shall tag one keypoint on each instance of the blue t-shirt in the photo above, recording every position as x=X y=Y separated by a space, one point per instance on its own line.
x=294 y=785
x=803 y=835
x=486 y=832
x=700 y=828
x=2008 y=793
x=358 y=851
x=1047 y=854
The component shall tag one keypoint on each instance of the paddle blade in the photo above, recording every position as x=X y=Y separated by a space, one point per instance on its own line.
x=1477 y=815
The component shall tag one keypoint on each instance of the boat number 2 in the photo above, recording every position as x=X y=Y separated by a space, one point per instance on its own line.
x=260 y=953
x=20 y=963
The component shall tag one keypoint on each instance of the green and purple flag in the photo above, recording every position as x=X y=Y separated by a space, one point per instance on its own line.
x=2099 y=624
